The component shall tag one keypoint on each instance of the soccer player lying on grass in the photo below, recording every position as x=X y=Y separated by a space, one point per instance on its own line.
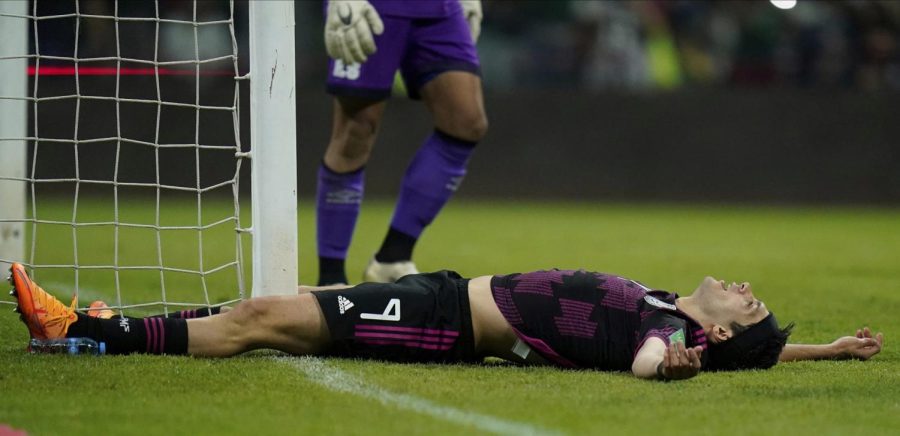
x=572 y=319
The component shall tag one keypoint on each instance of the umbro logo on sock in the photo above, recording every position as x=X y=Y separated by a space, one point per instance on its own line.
x=123 y=323
x=344 y=304
x=344 y=196
x=454 y=183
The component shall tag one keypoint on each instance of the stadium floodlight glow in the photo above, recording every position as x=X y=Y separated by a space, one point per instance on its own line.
x=784 y=4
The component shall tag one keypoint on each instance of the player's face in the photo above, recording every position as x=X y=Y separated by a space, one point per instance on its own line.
x=728 y=303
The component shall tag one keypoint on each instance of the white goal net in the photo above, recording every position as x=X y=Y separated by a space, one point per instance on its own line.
x=124 y=183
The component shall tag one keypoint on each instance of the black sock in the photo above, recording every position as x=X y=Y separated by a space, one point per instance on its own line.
x=186 y=314
x=134 y=335
x=331 y=271
x=397 y=247
x=193 y=313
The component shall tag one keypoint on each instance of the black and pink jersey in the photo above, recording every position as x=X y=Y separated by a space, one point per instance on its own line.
x=583 y=319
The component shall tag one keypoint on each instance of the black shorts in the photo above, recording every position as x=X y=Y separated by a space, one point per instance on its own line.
x=419 y=318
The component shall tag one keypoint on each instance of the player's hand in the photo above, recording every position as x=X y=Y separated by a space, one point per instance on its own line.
x=472 y=12
x=680 y=363
x=349 y=29
x=862 y=346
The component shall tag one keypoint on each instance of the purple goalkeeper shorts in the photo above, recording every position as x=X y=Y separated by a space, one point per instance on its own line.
x=421 y=48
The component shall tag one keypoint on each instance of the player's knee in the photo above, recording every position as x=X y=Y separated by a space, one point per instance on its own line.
x=361 y=129
x=350 y=147
x=248 y=314
x=356 y=124
x=470 y=127
x=346 y=159
x=478 y=128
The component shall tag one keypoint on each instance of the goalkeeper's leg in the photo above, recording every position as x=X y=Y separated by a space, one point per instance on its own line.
x=455 y=100
x=341 y=180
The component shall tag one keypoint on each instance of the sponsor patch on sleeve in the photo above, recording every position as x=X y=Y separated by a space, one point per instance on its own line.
x=676 y=337
x=653 y=301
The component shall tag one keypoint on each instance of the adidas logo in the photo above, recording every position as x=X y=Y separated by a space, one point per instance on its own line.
x=344 y=304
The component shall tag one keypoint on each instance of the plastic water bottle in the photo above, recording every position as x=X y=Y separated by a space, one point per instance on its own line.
x=67 y=346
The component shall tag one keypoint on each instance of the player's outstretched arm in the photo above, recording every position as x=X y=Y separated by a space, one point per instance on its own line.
x=862 y=346
x=656 y=361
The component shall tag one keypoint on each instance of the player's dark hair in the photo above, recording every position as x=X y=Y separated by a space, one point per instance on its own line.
x=755 y=346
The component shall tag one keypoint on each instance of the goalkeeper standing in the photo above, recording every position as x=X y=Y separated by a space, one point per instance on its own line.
x=432 y=44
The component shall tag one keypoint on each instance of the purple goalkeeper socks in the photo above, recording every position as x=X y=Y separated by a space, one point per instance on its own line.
x=430 y=180
x=338 y=199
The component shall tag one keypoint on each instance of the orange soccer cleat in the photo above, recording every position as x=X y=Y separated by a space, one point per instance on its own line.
x=99 y=309
x=45 y=316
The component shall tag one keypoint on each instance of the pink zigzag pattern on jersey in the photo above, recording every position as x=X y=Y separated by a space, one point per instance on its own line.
x=621 y=297
x=503 y=298
x=574 y=320
x=538 y=282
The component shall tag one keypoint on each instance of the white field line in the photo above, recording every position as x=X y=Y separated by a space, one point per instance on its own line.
x=318 y=371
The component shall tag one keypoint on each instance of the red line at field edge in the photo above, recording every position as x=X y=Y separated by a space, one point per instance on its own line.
x=49 y=70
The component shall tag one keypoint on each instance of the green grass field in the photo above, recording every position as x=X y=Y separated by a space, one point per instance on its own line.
x=831 y=270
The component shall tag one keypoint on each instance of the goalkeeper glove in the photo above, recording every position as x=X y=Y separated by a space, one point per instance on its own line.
x=472 y=12
x=349 y=28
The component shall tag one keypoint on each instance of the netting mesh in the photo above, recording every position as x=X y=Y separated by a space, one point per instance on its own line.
x=134 y=153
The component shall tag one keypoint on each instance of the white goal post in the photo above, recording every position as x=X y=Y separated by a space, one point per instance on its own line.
x=272 y=151
x=274 y=132
x=13 y=42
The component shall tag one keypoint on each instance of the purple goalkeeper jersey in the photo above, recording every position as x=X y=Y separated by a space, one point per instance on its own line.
x=413 y=8
x=416 y=8
x=582 y=319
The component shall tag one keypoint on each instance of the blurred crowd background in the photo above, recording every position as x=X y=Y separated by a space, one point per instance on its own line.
x=564 y=44
x=670 y=44
x=724 y=100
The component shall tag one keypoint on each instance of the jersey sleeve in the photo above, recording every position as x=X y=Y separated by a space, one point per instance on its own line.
x=662 y=325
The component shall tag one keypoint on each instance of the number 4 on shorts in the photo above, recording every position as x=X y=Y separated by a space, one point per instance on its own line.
x=391 y=312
